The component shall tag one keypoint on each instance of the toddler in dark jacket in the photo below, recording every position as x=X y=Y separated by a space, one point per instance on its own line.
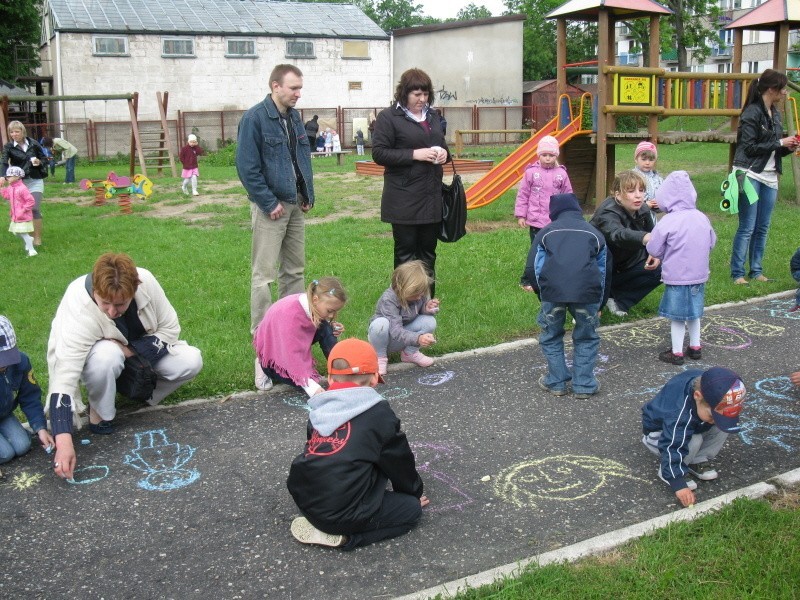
x=354 y=448
x=567 y=266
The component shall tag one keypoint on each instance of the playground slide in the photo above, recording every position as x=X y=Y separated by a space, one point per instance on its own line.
x=511 y=169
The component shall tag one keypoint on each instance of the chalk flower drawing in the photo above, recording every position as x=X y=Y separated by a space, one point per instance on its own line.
x=562 y=478
x=162 y=461
x=23 y=481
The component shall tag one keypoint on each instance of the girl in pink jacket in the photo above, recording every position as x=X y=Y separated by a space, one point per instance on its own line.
x=22 y=204
x=542 y=179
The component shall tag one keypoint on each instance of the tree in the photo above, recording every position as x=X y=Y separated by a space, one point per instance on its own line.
x=20 y=27
x=471 y=12
x=691 y=26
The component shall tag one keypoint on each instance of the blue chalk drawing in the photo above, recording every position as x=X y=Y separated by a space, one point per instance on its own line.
x=395 y=393
x=436 y=378
x=767 y=401
x=779 y=309
x=298 y=401
x=162 y=461
x=90 y=474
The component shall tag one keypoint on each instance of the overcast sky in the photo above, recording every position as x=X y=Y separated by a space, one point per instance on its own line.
x=447 y=9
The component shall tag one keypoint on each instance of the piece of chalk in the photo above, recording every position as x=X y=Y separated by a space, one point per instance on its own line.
x=486 y=478
x=49 y=449
x=85 y=442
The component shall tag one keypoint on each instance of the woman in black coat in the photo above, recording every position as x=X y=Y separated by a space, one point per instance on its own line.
x=409 y=143
x=759 y=148
x=27 y=154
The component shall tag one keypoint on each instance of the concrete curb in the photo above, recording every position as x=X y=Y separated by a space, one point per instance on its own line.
x=607 y=541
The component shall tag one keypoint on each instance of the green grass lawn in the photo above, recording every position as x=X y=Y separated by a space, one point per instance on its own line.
x=201 y=257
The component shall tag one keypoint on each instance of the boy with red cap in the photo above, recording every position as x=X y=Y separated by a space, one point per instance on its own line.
x=645 y=157
x=354 y=448
x=687 y=423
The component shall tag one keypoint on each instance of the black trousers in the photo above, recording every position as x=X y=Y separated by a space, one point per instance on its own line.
x=631 y=286
x=417 y=242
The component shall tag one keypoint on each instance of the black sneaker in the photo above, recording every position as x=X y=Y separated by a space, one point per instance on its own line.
x=703 y=471
x=668 y=356
x=692 y=353
x=587 y=395
x=544 y=386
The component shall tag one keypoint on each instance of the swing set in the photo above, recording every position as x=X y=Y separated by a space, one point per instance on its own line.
x=153 y=148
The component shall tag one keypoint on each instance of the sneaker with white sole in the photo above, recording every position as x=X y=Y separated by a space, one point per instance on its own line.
x=195 y=193
x=562 y=392
x=32 y=252
x=262 y=380
x=650 y=441
x=615 y=310
x=305 y=533
x=383 y=363
x=692 y=485
x=703 y=471
x=418 y=358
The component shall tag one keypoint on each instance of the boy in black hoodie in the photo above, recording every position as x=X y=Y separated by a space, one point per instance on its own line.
x=567 y=265
x=354 y=448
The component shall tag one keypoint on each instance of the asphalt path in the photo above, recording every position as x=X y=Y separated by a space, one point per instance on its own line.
x=191 y=502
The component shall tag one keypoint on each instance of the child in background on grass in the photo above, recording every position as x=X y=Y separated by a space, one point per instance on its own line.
x=645 y=157
x=542 y=179
x=404 y=317
x=290 y=327
x=188 y=156
x=794 y=267
x=320 y=143
x=21 y=204
x=354 y=448
x=682 y=240
x=687 y=423
x=18 y=388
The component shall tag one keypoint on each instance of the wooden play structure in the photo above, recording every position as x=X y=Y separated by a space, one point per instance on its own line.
x=590 y=150
x=151 y=148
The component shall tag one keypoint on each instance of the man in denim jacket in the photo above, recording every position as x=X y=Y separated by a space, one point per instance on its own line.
x=273 y=159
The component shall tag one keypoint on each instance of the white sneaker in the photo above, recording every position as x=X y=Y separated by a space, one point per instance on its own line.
x=611 y=305
x=185 y=190
x=195 y=193
x=262 y=380
x=32 y=252
x=305 y=533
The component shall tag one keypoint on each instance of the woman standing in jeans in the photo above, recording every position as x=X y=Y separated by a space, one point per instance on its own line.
x=759 y=148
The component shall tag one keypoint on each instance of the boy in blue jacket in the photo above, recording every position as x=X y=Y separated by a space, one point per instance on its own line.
x=354 y=448
x=687 y=423
x=18 y=388
x=567 y=265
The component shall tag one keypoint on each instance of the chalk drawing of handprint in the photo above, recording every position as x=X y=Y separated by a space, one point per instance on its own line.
x=563 y=478
x=162 y=461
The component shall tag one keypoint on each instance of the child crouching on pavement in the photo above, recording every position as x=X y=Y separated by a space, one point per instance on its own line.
x=568 y=271
x=687 y=423
x=354 y=448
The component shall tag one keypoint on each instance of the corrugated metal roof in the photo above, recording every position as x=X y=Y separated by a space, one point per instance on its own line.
x=228 y=17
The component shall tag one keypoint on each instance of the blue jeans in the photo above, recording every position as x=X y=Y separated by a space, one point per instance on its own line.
x=796 y=275
x=585 y=341
x=398 y=515
x=751 y=237
x=69 y=176
x=14 y=439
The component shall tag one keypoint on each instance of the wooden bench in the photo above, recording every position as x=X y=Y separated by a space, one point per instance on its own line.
x=338 y=154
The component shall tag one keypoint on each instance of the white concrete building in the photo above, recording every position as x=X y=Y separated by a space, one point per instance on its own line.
x=208 y=54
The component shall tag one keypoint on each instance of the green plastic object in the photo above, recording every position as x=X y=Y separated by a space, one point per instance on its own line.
x=735 y=185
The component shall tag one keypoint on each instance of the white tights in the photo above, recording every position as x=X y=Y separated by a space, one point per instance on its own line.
x=28 y=240
x=678 y=329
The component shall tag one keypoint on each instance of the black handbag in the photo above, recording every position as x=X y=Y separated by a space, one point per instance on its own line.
x=454 y=209
x=138 y=379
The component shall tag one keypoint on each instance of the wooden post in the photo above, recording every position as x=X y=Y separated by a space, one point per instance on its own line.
x=653 y=58
x=162 y=110
x=605 y=27
x=136 y=143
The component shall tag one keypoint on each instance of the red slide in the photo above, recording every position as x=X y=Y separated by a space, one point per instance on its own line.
x=511 y=169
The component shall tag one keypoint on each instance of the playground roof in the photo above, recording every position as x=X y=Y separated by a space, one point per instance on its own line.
x=226 y=17
x=588 y=10
x=769 y=14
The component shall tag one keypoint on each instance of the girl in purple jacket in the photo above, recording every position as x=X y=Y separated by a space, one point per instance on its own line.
x=542 y=179
x=682 y=240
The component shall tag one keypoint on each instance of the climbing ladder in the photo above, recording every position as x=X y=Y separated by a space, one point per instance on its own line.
x=151 y=146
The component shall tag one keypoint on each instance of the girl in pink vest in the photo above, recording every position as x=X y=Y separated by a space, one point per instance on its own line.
x=22 y=203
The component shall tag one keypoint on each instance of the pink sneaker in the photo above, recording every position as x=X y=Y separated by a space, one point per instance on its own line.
x=382 y=362
x=418 y=358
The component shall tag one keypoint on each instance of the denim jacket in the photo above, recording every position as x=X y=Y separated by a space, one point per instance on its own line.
x=19 y=388
x=264 y=161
